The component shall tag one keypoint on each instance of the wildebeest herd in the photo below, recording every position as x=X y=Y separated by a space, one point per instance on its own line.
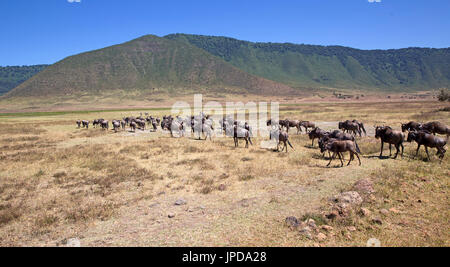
x=336 y=142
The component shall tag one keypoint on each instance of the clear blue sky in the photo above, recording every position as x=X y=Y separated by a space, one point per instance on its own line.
x=45 y=31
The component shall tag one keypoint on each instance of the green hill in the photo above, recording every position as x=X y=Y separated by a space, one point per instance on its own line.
x=12 y=76
x=147 y=63
x=332 y=66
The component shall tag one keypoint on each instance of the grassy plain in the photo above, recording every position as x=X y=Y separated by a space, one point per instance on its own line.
x=108 y=189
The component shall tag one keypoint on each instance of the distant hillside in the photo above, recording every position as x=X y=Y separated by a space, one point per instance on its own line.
x=333 y=66
x=12 y=76
x=146 y=63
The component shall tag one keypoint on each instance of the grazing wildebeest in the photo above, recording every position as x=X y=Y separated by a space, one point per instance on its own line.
x=140 y=123
x=350 y=127
x=133 y=126
x=307 y=125
x=338 y=147
x=85 y=124
x=281 y=137
x=411 y=126
x=387 y=135
x=241 y=133
x=317 y=133
x=436 y=127
x=116 y=125
x=105 y=124
x=428 y=140
x=79 y=123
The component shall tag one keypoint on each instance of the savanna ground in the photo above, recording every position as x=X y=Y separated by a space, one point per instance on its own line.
x=117 y=189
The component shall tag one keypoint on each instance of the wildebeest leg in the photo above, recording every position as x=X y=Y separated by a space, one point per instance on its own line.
x=397 y=147
x=312 y=144
x=428 y=155
x=403 y=148
x=358 y=159
x=417 y=151
x=246 y=142
x=331 y=158
x=390 y=150
x=285 y=145
x=340 y=158
x=381 y=153
x=351 y=158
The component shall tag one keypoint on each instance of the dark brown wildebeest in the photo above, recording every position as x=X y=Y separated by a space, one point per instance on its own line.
x=411 y=126
x=85 y=124
x=133 y=126
x=95 y=123
x=241 y=133
x=317 y=133
x=338 y=147
x=387 y=135
x=344 y=136
x=292 y=123
x=350 y=127
x=79 y=123
x=436 y=127
x=105 y=124
x=428 y=140
x=307 y=124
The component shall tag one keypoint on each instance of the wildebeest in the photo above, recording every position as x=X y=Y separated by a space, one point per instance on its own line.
x=116 y=125
x=203 y=127
x=281 y=137
x=79 y=123
x=307 y=125
x=133 y=126
x=317 y=133
x=85 y=124
x=241 y=133
x=361 y=127
x=344 y=136
x=338 y=147
x=428 y=140
x=387 y=135
x=350 y=127
x=291 y=123
x=176 y=126
x=436 y=127
x=411 y=126
x=105 y=124
x=123 y=124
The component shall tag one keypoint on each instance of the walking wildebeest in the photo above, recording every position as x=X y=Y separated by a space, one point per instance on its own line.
x=436 y=127
x=387 y=135
x=123 y=124
x=291 y=123
x=428 y=140
x=317 y=133
x=281 y=137
x=116 y=125
x=338 y=147
x=361 y=127
x=105 y=124
x=350 y=127
x=307 y=125
x=79 y=123
x=133 y=126
x=344 y=136
x=241 y=133
x=411 y=126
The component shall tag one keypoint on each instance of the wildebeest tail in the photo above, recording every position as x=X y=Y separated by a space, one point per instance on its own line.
x=290 y=144
x=364 y=129
x=357 y=147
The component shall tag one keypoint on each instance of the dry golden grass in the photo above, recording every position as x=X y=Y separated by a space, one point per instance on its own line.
x=106 y=188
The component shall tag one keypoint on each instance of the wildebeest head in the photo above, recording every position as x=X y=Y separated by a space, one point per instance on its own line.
x=412 y=136
x=404 y=127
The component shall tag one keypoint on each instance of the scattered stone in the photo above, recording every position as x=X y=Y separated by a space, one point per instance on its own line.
x=384 y=211
x=321 y=237
x=364 y=186
x=332 y=215
x=171 y=215
x=377 y=220
x=351 y=228
x=394 y=210
x=222 y=187
x=311 y=223
x=291 y=222
x=365 y=212
x=73 y=242
x=351 y=197
x=180 y=202
x=327 y=228
x=306 y=231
